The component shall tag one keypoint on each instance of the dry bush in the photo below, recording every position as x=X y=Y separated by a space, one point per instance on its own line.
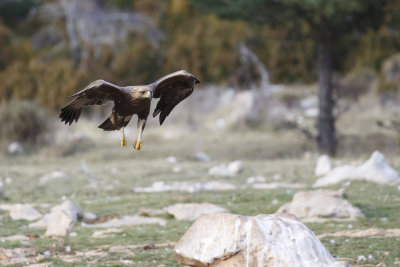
x=25 y=122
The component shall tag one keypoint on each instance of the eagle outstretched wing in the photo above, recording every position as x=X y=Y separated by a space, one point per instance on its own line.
x=97 y=93
x=172 y=89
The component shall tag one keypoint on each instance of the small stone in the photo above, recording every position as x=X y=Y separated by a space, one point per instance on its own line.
x=370 y=257
x=361 y=258
x=177 y=169
x=201 y=156
x=256 y=179
x=15 y=148
x=89 y=216
x=220 y=171
x=73 y=234
x=235 y=167
x=129 y=220
x=68 y=249
x=172 y=160
x=106 y=232
x=8 y=180
x=47 y=253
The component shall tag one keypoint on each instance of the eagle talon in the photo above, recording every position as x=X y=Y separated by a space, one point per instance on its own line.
x=137 y=145
x=123 y=142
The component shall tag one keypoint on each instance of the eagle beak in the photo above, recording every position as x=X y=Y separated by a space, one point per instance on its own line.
x=147 y=94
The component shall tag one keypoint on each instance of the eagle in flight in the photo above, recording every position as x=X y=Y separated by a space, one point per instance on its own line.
x=130 y=100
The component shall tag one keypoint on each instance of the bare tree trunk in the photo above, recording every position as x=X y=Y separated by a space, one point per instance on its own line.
x=326 y=121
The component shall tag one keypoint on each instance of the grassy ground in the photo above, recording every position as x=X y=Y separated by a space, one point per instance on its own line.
x=117 y=171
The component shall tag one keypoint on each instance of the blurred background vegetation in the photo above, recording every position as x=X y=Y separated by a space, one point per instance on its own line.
x=51 y=48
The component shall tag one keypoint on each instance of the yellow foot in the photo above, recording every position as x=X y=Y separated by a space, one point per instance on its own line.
x=123 y=142
x=137 y=145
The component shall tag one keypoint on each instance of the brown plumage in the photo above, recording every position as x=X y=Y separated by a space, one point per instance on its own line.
x=130 y=100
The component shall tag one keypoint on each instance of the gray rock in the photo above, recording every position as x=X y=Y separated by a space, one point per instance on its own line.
x=201 y=156
x=15 y=148
x=224 y=239
x=130 y=220
x=21 y=211
x=192 y=211
x=321 y=205
x=89 y=216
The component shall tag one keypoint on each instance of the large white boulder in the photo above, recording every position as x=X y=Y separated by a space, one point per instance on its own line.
x=320 y=205
x=224 y=239
x=324 y=165
x=375 y=169
x=192 y=211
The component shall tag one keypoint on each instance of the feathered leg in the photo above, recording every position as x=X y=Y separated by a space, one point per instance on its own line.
x=123 y=140
x=140 y=125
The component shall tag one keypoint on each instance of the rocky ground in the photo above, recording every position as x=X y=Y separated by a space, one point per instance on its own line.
x=87 y=201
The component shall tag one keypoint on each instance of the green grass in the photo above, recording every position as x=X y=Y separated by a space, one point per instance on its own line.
x=117 y=171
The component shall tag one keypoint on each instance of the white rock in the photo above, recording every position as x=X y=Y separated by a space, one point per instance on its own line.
x=256 y=179
x=309 y=102
x=52 y=176
x=62 y=218
x=176 y=169
x=375 y=169
x=235 y=167
x=130 y=220
x=106 y=232
x=171 y=159
x=320 y=204
x=192 y=211
x=217 y=186
x=361 y=258
x=15 y=148
x=89 y=216
x=311 y=112
x=22 y=212
x=185 y=186
x=8 y=180
x=324 y=165
x=224 y=239
x=277 y=185
x=201 y=156
x=220 y=171
x=14 y=238
x=59 y=224
x=68 y=207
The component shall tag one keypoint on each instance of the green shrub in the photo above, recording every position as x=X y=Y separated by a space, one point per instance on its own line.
x=24 y=121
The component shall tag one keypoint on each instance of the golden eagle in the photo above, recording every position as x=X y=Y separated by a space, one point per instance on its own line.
x=130 y=100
